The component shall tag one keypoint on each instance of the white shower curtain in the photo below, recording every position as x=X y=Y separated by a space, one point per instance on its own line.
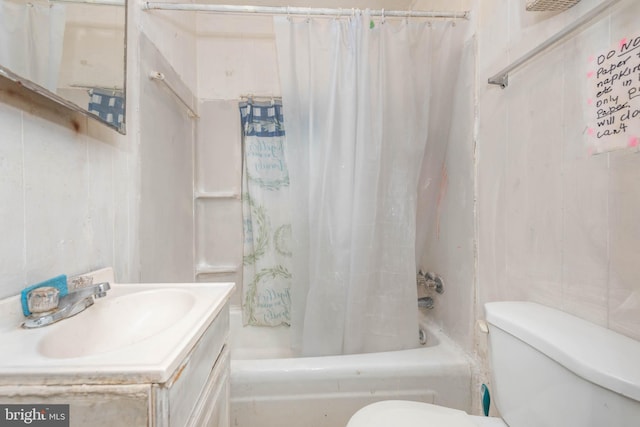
x=31 y=40
x=356 y=94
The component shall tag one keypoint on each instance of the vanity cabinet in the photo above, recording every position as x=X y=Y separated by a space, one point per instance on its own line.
x=196 y=394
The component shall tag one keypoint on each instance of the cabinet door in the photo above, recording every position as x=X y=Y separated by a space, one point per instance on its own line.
x=212 y=409
x=182 y=400
x=89 y=405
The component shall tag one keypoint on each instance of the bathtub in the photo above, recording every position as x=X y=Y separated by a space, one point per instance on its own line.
x=270 y=388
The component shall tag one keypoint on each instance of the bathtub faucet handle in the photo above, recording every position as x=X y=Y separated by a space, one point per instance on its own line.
x=430 y=281
x=421 y=278
x=439 y=284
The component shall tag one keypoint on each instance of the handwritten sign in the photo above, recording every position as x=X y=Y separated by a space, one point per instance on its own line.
x=614 y=97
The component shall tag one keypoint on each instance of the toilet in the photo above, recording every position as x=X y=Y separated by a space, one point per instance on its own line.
x=548 y=369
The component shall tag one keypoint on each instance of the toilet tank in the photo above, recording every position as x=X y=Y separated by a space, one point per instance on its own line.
x=552 y=369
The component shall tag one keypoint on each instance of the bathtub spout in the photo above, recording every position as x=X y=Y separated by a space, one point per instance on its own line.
x=425 y=302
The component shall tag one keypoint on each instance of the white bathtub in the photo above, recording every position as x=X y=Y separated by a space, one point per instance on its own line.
x=269 y=388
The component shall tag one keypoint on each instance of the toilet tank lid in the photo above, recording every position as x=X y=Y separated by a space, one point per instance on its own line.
x=593 y=352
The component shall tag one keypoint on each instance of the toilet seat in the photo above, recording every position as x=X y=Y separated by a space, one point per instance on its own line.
x=402 y=413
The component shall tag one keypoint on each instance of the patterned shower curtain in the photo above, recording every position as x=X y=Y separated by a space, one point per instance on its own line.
x=266 y=213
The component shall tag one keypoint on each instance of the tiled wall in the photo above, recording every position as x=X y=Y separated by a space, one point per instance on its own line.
x=555 y=225
x=67 y=204
x=218 y=212
x=166 y=172
x=236 y=56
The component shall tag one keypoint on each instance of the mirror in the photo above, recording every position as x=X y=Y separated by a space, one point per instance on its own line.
x=70 y=51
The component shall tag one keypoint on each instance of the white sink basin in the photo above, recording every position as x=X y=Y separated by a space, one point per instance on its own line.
x=117 y=322
x=138 y=333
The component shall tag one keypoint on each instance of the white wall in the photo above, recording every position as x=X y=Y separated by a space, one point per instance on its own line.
x=165 y=42
x=236 y=56
x=166 y=174
x=68 y=204
x=555 y=225
x=173 y=34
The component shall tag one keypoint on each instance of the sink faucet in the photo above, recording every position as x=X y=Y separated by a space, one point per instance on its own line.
x=74 y=302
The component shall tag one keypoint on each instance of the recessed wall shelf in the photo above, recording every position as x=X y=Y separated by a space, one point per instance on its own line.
x=216 y=269
x=216 y=195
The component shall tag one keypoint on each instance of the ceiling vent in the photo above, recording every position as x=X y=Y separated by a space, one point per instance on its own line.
x=550 y=5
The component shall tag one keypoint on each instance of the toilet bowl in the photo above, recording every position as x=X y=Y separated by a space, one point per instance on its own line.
x=403 y=413
x=548 y=369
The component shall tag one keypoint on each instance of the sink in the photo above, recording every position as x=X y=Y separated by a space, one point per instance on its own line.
x=115 y=323
x=138 y=333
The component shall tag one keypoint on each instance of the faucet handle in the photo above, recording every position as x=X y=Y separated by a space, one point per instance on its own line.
x=43 y=299
x=101 y=289
x=439 y=284
x=430 y=280
x=78 y=282
x=421 y=278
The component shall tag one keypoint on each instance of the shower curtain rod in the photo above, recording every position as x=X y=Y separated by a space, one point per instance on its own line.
x=304 y=11
x=260 y=98
x=92 y=2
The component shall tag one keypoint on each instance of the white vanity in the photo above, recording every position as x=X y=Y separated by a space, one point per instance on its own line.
x=144 y=355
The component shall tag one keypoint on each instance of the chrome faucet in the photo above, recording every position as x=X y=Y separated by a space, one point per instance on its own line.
x=62 y=307
x=430 y=281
